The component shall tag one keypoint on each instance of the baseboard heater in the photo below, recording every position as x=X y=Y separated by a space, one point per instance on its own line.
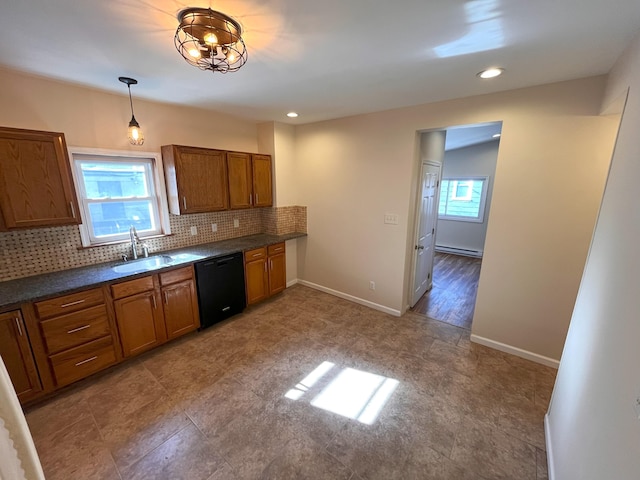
x=459 y=251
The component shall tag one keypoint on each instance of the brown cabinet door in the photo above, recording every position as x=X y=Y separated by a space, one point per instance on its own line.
x=277 y=273
x=257 y=281
x=140 y=323
x=180 y=308
x=196 y=179
x=262 y=182
x=240 y=184
x=17 y=356
x=36 y=189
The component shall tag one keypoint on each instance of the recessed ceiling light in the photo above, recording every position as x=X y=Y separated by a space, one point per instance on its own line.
x=292 y=114
x=491 y=73
x=497 y=135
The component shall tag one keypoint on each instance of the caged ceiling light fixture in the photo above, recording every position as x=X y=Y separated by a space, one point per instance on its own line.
x=136 y=137
x=210 y=40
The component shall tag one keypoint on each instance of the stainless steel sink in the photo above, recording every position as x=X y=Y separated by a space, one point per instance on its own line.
x=143 y=264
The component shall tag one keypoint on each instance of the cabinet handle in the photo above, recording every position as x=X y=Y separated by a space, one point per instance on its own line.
x=155 y=306
x=73 y=210
x=265 y=266
x=225 y=309
x=18 y=325
x=184 y=202
x=65 y=305
x=166 y=298
x=270 y=264
x=277 y=249
x=84 y=327
x=256 y=198
x=256 y=255
x=250 y=199
x=86 y=361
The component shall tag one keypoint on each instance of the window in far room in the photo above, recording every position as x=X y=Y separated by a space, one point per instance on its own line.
x=463 y=199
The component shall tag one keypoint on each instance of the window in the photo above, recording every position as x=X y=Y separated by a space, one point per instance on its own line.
x=117 y=192
x=463 y=199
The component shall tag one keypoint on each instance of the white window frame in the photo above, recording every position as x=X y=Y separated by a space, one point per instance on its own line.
x=77 y=154
x=483 y=197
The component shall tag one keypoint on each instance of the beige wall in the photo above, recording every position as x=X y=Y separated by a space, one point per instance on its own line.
x=593 y=431
x=551 y=168
x=91 y=118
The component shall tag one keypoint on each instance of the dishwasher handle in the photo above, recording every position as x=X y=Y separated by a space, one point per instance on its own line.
x=219 y=262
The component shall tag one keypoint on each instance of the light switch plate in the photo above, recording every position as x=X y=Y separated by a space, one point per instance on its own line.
x=214 y=227
x=194 y=230
x=236 y=223
x=391 y=218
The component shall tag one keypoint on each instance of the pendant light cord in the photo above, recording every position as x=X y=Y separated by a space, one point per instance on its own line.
x=130 y=101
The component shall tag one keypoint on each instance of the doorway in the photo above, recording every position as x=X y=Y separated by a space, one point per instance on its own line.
x=468 y=159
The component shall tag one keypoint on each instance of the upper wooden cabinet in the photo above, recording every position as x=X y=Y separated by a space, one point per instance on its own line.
x=240 y=184
x=250 y=183
x=196 y=179
x=262 y=183
x=36 y=188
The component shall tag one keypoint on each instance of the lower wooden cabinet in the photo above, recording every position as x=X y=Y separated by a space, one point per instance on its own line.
x=140 y=323
x=265 y=272
x=17 y=356
x=77 y=335
x=180 y=308
x=153 y=309
x=277 y=268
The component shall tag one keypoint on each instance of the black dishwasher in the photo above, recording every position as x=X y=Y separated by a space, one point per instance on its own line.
x=221 y=291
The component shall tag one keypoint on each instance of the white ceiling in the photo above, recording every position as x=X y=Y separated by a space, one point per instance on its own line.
x=467 y=135
x=324 y=59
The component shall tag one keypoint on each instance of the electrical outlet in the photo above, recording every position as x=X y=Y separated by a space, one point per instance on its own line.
x=636 y=406
x=194 y=230
x=372 y=285
x=214 y=227
x=236 y=223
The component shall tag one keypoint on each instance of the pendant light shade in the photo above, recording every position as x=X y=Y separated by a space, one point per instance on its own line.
x=135 y=135
x=210 y=40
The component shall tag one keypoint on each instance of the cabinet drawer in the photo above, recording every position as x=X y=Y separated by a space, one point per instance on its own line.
x=82 y=361
x=175 y=276
x=69 y=303
x=75 y=328
x=256 y=254
x=275 y=249
x=132 y=287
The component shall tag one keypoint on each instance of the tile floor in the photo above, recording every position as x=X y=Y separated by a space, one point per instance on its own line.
x=304 y=386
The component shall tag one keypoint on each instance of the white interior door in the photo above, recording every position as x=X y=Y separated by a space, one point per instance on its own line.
x=425 y=237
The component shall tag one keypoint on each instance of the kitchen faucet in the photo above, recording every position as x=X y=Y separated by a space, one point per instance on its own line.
x=134 y=242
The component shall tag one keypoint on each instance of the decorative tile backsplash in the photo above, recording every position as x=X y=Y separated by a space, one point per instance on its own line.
x=30 y=252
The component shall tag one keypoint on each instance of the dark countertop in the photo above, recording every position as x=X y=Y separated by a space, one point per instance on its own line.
x=39 y=287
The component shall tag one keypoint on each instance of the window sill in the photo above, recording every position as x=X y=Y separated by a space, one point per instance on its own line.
x=116 y=242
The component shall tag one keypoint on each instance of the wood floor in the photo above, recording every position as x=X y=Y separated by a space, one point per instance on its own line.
x=453 y=296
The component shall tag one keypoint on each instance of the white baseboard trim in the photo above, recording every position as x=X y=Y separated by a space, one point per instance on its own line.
x=459 y=251
x=547 y=442
x=291 y=283
x=346 y=296
x=518 y=352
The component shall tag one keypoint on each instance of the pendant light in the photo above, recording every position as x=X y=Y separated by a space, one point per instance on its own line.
x=136 y=137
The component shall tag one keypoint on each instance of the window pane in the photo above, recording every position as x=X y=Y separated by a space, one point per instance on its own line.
x=467 y=205
x=114 y=180
x=111 y=218
x=444 y=191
